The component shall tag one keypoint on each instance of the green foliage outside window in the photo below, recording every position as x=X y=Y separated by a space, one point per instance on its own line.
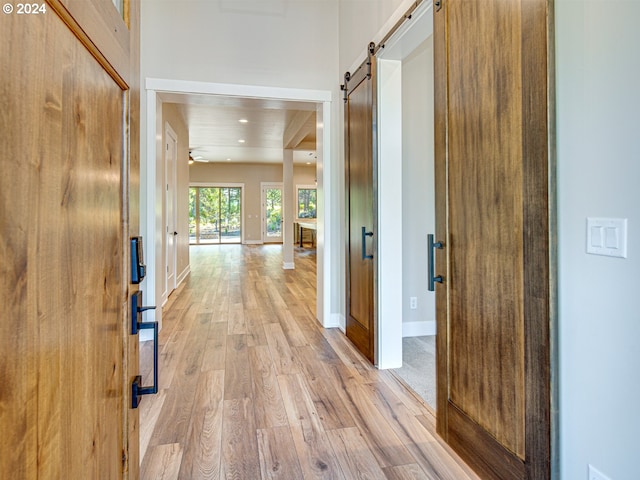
x=307 y=201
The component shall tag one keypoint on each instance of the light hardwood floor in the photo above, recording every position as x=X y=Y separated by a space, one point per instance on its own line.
x=251 y=386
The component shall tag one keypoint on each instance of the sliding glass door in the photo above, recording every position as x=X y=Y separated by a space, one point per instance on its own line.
x=215 y=215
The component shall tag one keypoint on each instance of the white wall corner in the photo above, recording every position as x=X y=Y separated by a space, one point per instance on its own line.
x=288 y=265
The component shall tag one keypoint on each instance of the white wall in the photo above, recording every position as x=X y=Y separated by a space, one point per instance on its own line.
x=360 y=23
x=598 y=103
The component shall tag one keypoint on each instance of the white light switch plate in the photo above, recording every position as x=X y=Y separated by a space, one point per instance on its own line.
x=607 y=236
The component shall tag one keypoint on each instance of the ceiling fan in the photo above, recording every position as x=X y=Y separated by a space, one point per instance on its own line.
x=196 y=157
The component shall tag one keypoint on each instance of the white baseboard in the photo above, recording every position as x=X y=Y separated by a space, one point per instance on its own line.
x=288 y=265
x=336 y=320
x=418 y=329
x=253 y=242
x=183 y=275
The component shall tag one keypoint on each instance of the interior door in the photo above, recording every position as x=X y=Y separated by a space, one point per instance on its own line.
x=66 y=94
x=170 y=173
x=493 y=216
x=360 y=153
x=272 y=213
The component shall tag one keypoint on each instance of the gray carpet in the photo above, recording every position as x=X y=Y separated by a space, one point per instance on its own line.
x=419 y=366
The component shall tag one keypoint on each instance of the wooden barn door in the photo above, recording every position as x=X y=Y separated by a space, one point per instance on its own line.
x=66 y=95
x=493 y=216
x=360 y=154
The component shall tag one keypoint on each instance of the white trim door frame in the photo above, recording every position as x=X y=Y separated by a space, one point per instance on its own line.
x=329 y=207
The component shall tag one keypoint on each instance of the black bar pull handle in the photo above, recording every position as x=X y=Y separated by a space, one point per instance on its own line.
x=137 y=390
x=432 y=278
x=365 y=234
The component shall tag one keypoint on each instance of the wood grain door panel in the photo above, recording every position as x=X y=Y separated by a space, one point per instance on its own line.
x=63 y=275
x=493 y=208
x=360 y=181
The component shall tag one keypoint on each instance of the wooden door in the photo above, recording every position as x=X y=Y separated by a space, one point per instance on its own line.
x=360 y=154
x=66 y=93
x=493 y=215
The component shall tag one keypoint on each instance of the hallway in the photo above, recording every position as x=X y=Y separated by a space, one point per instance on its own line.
x=251 y=386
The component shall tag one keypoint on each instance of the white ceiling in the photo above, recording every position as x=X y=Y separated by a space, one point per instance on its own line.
x=215 y=129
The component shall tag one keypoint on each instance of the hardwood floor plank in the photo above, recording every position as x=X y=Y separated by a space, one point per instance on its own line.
x=150 y=409
x=350 y=357
x=411 y=400
x=276 y=299
x=177 y=406
x=237 y=324
x=267 y=400
x=278 y=458
x=163 y=462
x=291 y=330
x=315 y=453
x=201 y=456
x=383 y=442
x=216 y=348
x=298 y=403
x=240 y=458
x=407 y=472
x=312 y=444
x=280 y=350
x=255 y=327
x=330 y=407
x=356 y=460
x=422 y=444
x=237 y=380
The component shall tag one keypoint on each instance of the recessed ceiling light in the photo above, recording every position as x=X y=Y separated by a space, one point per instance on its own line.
x=228 y=159
x=241 y=140
x=243 y=120
x=308 y=163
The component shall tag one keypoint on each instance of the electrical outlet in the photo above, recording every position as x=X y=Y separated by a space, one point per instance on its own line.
x=594 y=474
x=413 y=303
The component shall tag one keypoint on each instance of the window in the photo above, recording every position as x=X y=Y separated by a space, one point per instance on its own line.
x=307 y=201
x=215 y=215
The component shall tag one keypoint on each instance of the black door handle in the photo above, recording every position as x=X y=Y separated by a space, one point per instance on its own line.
x=432 y=278
x=175 y=233
x=137 y=390
x=365 y=234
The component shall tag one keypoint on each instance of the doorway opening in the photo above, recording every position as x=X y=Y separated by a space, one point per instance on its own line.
x=406 y=128
x=161 y=91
